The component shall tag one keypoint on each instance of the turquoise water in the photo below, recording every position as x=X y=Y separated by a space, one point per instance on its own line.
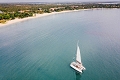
x=43 y=48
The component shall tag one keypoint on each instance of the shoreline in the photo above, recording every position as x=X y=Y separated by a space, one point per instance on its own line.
x=33 y=17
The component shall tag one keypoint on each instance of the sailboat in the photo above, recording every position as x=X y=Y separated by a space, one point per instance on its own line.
x=77 y=65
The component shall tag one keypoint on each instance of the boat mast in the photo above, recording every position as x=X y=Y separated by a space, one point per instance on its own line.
x=78 y=56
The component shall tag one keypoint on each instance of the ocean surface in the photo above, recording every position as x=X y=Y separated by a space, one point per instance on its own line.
x=43 y=48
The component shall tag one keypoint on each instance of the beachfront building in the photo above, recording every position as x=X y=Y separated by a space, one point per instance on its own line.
x=40 y=9
x=74 y=7
x=53 y=9
x=57 y=9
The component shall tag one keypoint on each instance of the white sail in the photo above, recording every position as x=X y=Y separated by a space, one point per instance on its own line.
x=78 y=56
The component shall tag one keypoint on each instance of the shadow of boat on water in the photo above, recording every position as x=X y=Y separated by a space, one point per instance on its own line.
x=78 y=75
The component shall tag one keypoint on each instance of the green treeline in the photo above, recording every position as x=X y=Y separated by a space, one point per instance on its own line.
x=10 y=16
x=10 y=11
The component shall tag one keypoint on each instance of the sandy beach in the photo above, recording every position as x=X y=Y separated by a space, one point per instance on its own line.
x=33 y=17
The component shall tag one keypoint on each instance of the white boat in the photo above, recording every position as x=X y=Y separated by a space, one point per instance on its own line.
x=77 y=65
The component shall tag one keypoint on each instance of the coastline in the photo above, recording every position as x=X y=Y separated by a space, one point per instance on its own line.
x=33 y=17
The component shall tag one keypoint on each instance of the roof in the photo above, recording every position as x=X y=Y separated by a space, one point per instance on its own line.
x=1 y=12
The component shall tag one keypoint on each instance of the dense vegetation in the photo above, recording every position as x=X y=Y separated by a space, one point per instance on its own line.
x=22 y=10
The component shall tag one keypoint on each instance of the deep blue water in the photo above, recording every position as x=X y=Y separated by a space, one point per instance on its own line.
x=43 y=48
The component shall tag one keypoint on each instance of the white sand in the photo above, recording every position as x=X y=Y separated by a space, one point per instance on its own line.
x=37 y=16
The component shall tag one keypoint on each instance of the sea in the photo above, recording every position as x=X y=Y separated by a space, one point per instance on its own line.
x=43 y=48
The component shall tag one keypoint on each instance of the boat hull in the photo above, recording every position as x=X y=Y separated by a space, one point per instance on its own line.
x=78 y=67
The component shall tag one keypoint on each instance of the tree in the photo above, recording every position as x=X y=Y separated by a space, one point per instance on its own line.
x=1 y=16
x=6 y=16
x=12 y=16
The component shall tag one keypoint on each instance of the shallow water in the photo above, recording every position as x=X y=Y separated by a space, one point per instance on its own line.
x=43 y=48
